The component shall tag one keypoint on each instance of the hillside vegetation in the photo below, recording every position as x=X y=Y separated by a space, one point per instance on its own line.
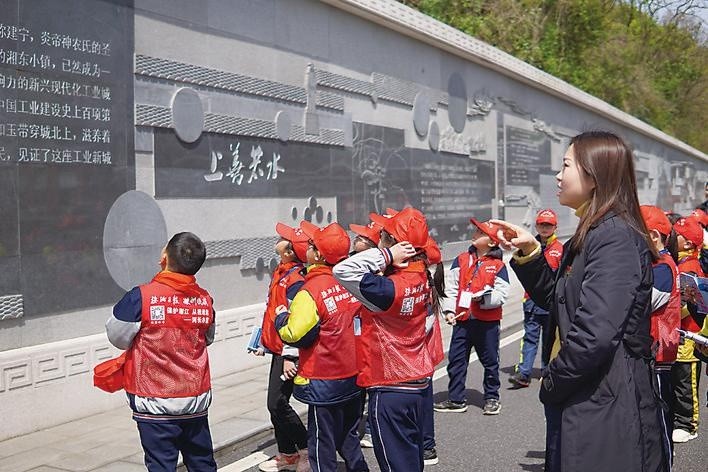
x=648 y=58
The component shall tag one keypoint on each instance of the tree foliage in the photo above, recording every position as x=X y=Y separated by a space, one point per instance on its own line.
x=646 y=57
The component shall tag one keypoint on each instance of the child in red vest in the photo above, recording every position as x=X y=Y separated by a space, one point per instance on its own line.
x=166 y=326
x=686 y=369
x=476 y=287
x=367 y=236
x=290 y=433
x=320 y=323
x=394 y=287
x=665 y=315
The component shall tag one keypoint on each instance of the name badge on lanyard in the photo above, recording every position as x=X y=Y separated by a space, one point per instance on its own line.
x=465 y=299
x=466 y=295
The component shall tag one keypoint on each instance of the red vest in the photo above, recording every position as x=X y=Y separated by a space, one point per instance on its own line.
x=333 y=355
x=394 y=347
x=690 y=264
x=553 y=253
x=666 y=319
x=168 y=357
x=475 y=274
x=283 y=277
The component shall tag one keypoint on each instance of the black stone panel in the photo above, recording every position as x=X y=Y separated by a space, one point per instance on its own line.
x=378 y=172
x=66 y=146
x=528 y=156
x=218 y=166
x=450 y=189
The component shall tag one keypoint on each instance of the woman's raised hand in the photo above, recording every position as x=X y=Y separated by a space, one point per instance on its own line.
x=513 y=236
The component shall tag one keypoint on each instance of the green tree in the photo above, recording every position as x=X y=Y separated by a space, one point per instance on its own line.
x=646 y=57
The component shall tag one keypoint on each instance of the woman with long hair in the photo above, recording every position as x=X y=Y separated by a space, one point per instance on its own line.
x=602 y=413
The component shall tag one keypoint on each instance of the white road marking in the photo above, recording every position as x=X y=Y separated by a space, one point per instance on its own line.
x=246 y=463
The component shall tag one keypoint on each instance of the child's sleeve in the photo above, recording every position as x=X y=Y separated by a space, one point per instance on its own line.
x=300 y=326
x=292 y=290
x=663 y=285
x=452 y=285
x=359 y=275
x=124 y=324
x=211 y=331
x=499 y=292
x=290 y=293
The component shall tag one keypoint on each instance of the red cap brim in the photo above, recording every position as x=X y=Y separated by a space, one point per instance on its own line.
x=482 y=228
x=366 y=231
x=381 y=220
x=308 y=228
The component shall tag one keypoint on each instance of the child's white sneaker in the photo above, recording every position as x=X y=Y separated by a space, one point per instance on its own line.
x=682 y=436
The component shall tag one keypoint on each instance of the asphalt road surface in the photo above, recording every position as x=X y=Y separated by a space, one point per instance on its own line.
x=512 y=441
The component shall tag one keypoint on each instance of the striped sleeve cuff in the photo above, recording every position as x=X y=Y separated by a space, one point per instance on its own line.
x=521 y=260
x=387 y=255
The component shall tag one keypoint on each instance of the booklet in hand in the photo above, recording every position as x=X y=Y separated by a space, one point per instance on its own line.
x=697 y=288
x=254 y=344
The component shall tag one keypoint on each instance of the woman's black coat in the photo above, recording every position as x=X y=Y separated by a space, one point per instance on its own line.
x=600 y=302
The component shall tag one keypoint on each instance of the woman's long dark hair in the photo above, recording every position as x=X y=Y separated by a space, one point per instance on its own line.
x=670 y=242
x=437 y=283
x=609 y=162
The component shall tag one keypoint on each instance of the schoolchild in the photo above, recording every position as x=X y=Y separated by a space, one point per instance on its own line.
x=394 y=287
x=165 y=327
x=686 y=370
x=367 y=237
x=435 y=347
x=320 y=323
x=290 y=433
x=702 y=218
x=535 y=317
x=476 y=287
x=665 y=316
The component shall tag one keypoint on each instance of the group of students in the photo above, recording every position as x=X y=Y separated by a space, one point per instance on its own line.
x=344 y=325
x=380 y=334
x=363 y=323
x=340 y=325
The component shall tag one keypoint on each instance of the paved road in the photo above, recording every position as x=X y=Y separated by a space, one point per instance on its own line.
x=512 y=441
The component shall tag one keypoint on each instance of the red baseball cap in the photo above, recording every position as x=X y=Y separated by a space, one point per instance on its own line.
x=332 y=241
x=547 y=216
x=371 y=231
x=408 y=224
x=655 y=218
x=489 y=229
x=296 y=237
x=701 y=215
x=690 y=229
